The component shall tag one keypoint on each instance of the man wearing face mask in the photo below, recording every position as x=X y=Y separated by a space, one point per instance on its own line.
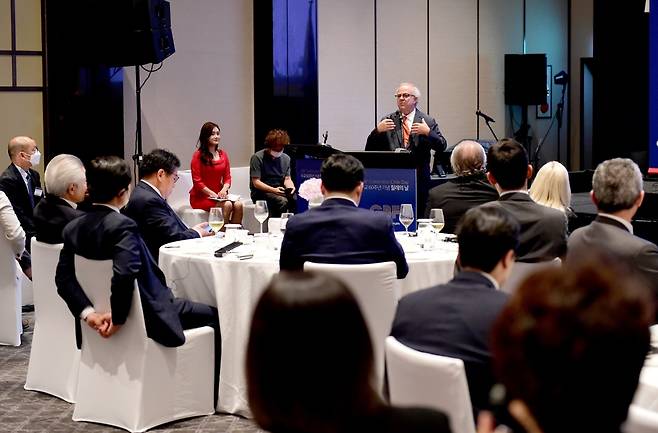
x=269 y=170
x=22 y=186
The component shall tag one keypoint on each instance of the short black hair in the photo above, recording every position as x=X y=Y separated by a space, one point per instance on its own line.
x=341 y=172
x=485 y=234
x=107 y=176
x=156 y=160
x=507 y=161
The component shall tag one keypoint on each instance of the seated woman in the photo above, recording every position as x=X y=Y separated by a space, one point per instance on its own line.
x=551 y=188
x=310 y=365
x=211 y=175
x=569 y=347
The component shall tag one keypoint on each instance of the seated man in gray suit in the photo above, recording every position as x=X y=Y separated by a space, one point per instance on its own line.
x=617 y=193
x=455 y=319
x=543 y=229
x=469 y=189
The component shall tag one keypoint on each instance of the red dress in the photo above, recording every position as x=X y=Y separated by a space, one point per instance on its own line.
x=213 y=176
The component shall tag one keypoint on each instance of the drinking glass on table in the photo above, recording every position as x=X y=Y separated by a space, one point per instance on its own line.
x=216 y=219
x=284 y=221
x=406 y=216
x=436 y=216
x=261 y=212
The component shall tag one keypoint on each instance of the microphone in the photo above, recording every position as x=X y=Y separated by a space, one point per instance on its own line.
x=324 y=137
x=484 y=116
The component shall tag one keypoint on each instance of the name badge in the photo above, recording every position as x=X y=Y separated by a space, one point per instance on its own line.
x=38 y=192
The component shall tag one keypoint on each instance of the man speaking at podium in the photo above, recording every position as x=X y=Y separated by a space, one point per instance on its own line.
x=409 y=129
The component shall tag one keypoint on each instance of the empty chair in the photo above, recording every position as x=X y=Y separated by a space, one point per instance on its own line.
x=374 y=287
x=10 y=297
x=423 y=379
x=130 y=381
x=54 y=356
x=521 y=270
x=640 y=420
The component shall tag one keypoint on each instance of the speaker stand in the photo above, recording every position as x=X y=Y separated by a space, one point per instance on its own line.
x=137 y=157
x=522 y=134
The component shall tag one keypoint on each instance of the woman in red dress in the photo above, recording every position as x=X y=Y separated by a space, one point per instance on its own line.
x=211 y=175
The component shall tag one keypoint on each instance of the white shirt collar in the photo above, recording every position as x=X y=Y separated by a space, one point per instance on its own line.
x=339 y=195
x=154 y=188
x=490 y=278
x=22 y=172
x=114 y=208
x=621 y=220
x=73 y=204
x=512 y=191
x=411 y=116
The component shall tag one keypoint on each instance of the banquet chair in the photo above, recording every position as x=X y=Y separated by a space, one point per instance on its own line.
x=521 y=270
x=54 y=356
x=27 y=292
x=374 y=287
x=241 y=186
x=10 y=297
x=130 y=381
x=640 y=420
x=179 y=200
x=423 y=379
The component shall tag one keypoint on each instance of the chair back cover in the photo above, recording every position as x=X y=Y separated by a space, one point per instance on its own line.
x=10 y=297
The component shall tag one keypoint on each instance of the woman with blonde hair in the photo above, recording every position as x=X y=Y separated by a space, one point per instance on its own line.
x=551 y=187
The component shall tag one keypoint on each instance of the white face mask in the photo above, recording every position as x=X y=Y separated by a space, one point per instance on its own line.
x=276 y=154
x=35 y=158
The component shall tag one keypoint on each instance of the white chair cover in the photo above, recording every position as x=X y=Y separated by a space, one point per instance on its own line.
x=54 y=357
x=521 y=270
x=640 y=420
x=373 y=286
x=422 y=379
x=10 y=296
x=130 y=381
x=27 y=292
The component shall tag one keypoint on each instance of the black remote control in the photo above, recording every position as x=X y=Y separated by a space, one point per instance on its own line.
x=223 y=250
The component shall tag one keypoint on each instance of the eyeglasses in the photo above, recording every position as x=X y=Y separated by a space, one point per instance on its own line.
x=176 y=177
x=403 y=95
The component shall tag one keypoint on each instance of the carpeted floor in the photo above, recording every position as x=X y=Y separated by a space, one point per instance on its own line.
x=23 y=411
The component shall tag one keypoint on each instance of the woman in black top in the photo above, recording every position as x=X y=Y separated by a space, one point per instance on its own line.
x=310 y=365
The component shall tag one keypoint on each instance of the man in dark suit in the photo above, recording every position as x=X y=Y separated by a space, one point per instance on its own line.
x=469 y=189
x=339 y=231
x=409 y=129
x=543 y=229
x=158 y=223
x=104 y=234
x=66 y=187
x=454 y=319
x=617 y=193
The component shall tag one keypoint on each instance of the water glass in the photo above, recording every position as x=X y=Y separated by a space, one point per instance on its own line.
x=284 y=221
x=261 y=212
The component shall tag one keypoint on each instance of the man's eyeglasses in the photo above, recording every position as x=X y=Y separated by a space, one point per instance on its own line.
x=402 y=95
x=176 y=177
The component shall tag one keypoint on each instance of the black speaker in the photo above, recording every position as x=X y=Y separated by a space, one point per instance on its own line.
x=119 y=32
x=525 y=79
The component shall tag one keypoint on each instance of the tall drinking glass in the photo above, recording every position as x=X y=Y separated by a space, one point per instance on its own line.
x=406 y=216
x=284 y=221
x=216 y=219
x=261 y=212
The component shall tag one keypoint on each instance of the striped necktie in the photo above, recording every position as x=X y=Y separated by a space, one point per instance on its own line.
x=405 y=132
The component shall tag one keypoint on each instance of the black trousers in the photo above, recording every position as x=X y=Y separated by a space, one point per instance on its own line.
x=276 y=204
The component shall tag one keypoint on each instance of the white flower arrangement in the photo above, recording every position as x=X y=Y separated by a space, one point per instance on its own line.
x=310 y=190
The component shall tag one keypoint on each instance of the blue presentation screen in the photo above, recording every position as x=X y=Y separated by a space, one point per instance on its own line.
x=653 y=87
x=385 y=188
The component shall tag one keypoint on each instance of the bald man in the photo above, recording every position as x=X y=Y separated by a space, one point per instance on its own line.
x=469 y=189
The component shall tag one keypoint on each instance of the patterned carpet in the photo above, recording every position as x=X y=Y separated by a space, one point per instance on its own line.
x=23 y=411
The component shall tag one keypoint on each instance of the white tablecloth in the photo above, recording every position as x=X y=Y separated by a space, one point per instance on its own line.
x=234 y=286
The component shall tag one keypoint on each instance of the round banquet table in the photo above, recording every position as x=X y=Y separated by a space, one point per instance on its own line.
x=234 y=286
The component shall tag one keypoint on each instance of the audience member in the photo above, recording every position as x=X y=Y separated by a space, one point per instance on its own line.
x=211 y=176
x=543 y=230
x=310 y=364
x=11 y=227
x=617 y=193
x=569 y=347
x=470 y=188
x=455 y=319
x=104 y=234
x=157 y=222
x=66 y=186
x=551 y=187
x=269 y=170
x=339 y=231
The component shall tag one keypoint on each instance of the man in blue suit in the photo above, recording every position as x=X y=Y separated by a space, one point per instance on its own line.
x=157 y=222
x=339 y=231
x=455 y=319
x=104 y=234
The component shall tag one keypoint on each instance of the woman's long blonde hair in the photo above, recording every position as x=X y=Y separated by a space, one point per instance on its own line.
x=551 y=186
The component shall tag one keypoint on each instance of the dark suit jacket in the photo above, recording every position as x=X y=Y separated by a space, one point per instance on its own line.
x=339 y=232
x=51 y=215
x=543 y=229
x=11 y=182
x=455 y=320
x=158 y=223
x=103 y=234
x=457 y=196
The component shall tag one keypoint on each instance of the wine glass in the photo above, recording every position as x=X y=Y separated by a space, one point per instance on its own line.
x=406 y=216
x=284 y=221
x=216 y=219
x=436 y=215
x=260 y=212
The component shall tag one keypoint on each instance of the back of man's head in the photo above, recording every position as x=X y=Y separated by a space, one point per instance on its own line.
x=156 y=160
x=485 y=235
x=341 y=173
x=507 y=162
x=617 y=184
x=107 y=176
x=468 y=158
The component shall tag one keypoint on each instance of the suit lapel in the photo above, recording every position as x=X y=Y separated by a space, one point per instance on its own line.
x=19 y=177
